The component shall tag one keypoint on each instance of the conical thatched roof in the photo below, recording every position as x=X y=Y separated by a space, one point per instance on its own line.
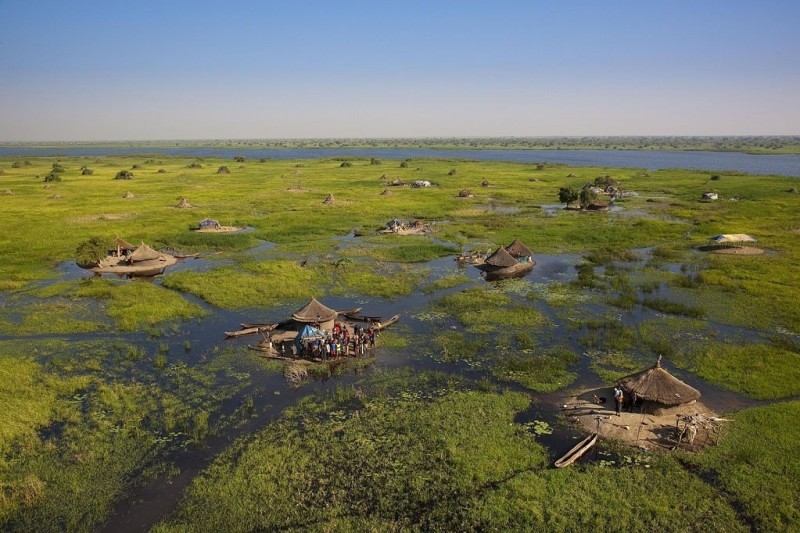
x=128 y=194
x=501 y=258
x=314 y=312
x=657 y=385
x=183 y=204
x=386 y=192
x=465 y=193
x=396 y=182
x=7 y=192
x=517 y=249
x=123 y=244
x=485 y=183
x=328 y=200
x=143 y=253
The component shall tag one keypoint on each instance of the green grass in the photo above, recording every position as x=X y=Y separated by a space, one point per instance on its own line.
x=755 y=465
x=761 y=371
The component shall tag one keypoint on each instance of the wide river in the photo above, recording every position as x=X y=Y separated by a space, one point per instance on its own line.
x=780 y=165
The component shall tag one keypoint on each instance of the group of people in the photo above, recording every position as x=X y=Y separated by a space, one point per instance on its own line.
x=340 y=342
x=625 y=399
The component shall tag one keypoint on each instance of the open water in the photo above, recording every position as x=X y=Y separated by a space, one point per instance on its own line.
x=778 y=164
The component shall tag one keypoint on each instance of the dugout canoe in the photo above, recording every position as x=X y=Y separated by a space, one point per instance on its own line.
x=577 y=451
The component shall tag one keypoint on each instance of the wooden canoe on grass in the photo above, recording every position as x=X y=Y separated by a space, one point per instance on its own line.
x=577 y=451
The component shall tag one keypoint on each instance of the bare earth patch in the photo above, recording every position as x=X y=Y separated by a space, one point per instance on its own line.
x=744 y=250
x=632 y=428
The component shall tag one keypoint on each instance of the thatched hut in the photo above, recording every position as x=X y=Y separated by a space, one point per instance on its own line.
x=128 y=195
x=501 y=259
x=397 y=182
x=121 y=247
x=710 y=196
x=316 y=313
x=386 y=192
x=184 y=204
x=728 y=240
x=659 y=390
x=485 y=183
x=209 y=223
x=223 y=170
x=142 y=255
x=517 y=249
x=7 y=192
x=465 y=193
x=329 y=200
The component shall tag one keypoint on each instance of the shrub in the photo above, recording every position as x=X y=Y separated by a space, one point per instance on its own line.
x=136 y=167
x=239 y=159
x=86 y=171
x=587 y=196
x=16 y=164
x=715 y=177
x=223 y=170
x=195 y=165
x=404 y=164
x=57 y=167
x=452 y=172
x=52 y=176
x=346 y=164
x=89 y=253
x=540 y=166
x=124 y=175
x=374 y=161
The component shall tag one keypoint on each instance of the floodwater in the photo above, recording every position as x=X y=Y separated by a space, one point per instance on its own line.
x=147 y=504
x=773 y=164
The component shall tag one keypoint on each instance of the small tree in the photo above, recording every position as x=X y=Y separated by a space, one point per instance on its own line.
x=52 y=177
x=124 y=175
x=16 y=164
x=374 y=161
x=57 y=167
x=452 y=172
x=86 y=171
x=404 y=164
x=239 y=159
x=90 y=253
x=587 y=197
x=567 y=195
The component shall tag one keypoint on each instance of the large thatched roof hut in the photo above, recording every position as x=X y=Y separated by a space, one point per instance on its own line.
x=143 y=253
x=315 y=312
x=501 y=258
x=517 y=249
x=660 y=388
x=122 y=247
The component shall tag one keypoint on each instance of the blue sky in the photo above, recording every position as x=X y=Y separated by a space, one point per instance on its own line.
x=171 y=69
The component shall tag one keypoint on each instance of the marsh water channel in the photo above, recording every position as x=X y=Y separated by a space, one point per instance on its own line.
x=151 y=501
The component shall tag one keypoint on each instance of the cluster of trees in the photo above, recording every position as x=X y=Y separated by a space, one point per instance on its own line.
x=568 y=195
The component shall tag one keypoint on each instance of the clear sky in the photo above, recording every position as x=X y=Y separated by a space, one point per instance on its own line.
x=174 y=69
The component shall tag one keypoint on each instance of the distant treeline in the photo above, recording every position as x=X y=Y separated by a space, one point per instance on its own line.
x=751 y=144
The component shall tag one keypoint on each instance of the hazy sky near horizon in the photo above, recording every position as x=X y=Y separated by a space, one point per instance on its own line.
x=175 y=69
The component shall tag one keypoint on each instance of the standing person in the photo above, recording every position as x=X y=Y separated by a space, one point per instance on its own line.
x=618 y=398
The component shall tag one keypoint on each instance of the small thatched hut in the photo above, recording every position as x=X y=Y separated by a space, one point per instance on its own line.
x=485 y=183
x=397 y=182
x=328 y=200
x=184 y=204
x=7 y=192
x=517 y=249
x=122 y=247
x=316 y=313
x=659 y=390
x=209 y=223
x=128 y=195
x=465 y=193
x=386 y=192
x=223 y=170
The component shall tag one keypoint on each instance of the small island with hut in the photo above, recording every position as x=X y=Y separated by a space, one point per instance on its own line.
x=123 y=258
x=210 y=225
x=650 y=409
x=317 y=333
x=512 y=261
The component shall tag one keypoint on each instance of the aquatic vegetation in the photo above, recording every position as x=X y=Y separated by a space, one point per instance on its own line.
x=543 y=371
